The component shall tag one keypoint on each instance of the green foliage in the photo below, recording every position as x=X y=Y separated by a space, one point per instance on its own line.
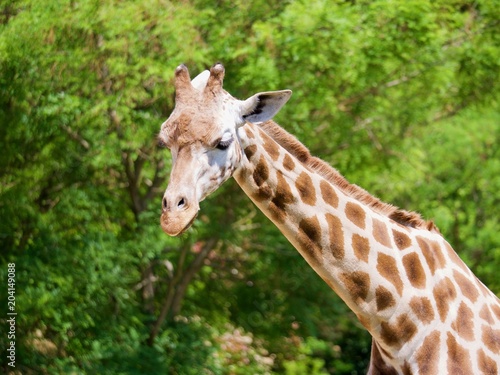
x=401 y=96
x=457 y=164
x=307 y=361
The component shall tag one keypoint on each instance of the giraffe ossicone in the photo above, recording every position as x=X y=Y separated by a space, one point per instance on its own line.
x=426 y=311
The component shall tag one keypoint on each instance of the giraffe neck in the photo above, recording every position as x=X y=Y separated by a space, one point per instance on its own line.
x=342 y=240
x=394 y=277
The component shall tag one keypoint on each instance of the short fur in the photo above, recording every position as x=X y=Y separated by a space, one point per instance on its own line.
x=297 y=149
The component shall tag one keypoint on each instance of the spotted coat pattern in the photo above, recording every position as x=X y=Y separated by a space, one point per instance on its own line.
x=427 y=312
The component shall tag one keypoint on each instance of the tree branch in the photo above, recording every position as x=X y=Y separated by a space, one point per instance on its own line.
x=77 y=137
x=178 y=285
x=168 y=296
x=191 y=271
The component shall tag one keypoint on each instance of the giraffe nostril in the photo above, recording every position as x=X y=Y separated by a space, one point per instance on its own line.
x=164 y=204
x=181 y=203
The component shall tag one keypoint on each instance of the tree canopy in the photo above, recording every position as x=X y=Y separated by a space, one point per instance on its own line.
x=401 y=96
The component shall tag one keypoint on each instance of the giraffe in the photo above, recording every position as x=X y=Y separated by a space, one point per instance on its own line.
x=426 y=311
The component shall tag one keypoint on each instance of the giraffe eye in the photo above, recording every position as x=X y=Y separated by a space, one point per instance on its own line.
x=223 y=144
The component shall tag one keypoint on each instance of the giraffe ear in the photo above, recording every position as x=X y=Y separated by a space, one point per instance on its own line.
x=200 y=81
x=264 y=105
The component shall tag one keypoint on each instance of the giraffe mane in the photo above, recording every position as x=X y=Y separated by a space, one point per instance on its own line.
x=316 y=165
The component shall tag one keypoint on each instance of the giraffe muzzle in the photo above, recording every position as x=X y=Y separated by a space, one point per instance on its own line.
x=178 y=214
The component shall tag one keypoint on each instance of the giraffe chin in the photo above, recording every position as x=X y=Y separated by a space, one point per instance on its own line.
x=175 y=225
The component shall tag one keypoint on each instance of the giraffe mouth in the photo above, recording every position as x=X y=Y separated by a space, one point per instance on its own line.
x=175 y=225
x=188 y=225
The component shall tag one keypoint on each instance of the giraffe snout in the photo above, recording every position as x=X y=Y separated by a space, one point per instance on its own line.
x=177 y=204
x=178 y=213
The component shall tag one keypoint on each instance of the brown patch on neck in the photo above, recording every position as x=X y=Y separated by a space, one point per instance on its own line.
x=384 y=298
x=458 y=357
x=356 y=214
x=377 y=362
x=309 y=237
x=464 y=324
x=306 y=189
x=406 y=368
x=432 y=254
x=422 y=308
x=444 y=293
x=399 y=333
x=486 y=364
x=496 y=310
x=316 y=165
x=357 y=284
x=250 y=151
x=414 y=270
x=491 y=338
x=288 y=163
x=249 y=132
x=402 y=240
x=329 y=195
x=261 y=172
x=485 y=314
x=282 y=197
x=336 y=236
x=466 y=286
x=270 y=146
x=387 y=267
x=380 y=233
x=361 y=247
x=427 y=355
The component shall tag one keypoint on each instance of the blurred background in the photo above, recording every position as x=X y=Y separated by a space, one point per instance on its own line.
x=401 y=96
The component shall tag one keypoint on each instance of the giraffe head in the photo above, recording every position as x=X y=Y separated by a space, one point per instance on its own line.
x=202 y=136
